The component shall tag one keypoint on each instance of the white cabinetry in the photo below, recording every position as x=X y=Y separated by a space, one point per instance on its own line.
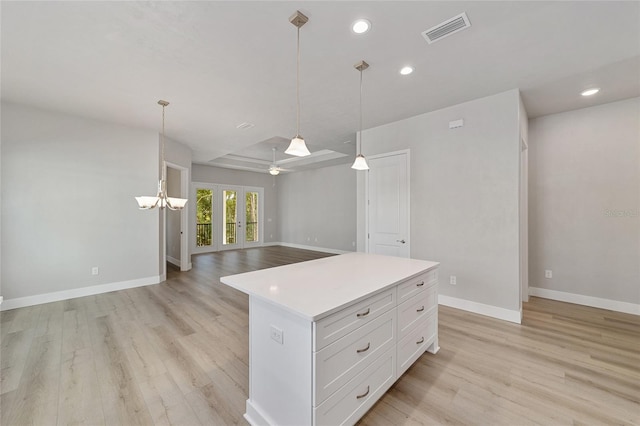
x=346 y=338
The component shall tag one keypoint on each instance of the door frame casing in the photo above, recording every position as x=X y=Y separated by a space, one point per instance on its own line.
x=407 y=153
x=185 y=253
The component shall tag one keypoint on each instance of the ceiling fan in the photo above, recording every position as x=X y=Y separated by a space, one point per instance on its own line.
x=274 y=169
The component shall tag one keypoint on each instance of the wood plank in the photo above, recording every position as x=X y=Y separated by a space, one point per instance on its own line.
x=177 y=353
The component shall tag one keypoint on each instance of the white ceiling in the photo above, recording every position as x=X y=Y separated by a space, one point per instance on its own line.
x=224 y=63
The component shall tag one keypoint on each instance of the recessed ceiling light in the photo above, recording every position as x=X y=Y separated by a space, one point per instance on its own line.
x=590 y=92
x=361 y=26
x=406 y=70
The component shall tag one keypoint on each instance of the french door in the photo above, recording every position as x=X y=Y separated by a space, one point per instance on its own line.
x=228 y=217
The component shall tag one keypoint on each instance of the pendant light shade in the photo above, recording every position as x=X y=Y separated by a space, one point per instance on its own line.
x=360 y=163
x=161 y=199
x=297 y=146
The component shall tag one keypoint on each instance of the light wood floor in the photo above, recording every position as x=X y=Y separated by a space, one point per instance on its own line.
x=177 y=353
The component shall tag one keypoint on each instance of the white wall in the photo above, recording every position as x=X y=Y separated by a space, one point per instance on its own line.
x=68 y=187
x=317 y=208
x=585 y=202
x=211 y=174
x=464 y=198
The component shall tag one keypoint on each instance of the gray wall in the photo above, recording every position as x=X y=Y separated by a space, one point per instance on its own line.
x=68 y=187
x=585 y=201
x=211 y=174
x=464 y=194
x=318 y=208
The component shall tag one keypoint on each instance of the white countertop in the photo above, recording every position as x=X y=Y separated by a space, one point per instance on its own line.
x=317 y=288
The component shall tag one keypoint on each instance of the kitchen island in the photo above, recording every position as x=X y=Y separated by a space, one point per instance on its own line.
x=328 y=337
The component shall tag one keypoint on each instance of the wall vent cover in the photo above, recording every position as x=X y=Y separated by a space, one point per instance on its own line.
x=446 y=28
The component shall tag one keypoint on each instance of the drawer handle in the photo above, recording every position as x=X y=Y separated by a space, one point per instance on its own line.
x=420 y=284
x=364 y=314
x=364 y=394
x=365 y=349
x=420 y=341
x=421 y=309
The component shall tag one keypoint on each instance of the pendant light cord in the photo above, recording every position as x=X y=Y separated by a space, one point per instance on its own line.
x=360 y=138
x=162 y=142
x=298 y=87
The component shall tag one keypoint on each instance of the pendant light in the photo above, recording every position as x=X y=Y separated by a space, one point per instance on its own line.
x=360 y=163
x=161 y=200
x=297 y=146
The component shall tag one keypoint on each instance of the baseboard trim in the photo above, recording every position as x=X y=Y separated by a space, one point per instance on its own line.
x=21 y=302
x=173 y=261
x=481 y=308
x=579 y=299
x=313 y=248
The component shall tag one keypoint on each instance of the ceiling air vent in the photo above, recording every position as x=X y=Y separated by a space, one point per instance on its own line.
x=245 y=125
x=446 y=28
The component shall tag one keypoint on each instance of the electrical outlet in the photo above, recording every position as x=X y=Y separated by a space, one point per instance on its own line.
x=453 y=280
x=277 y=334
x=548 y=273
x=95 y=270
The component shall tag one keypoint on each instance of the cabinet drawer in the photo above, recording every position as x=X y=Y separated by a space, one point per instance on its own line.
x=349 y=403
x=413 y=310
x=416 y=342
x=329 y=329
x=413 y=286
x=339 y=362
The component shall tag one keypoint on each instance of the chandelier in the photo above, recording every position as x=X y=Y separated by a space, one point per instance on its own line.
x=161 y=199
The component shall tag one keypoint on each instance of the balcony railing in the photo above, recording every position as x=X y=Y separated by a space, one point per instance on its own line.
x=204 y=236
x=251 y=232
x=230 y=233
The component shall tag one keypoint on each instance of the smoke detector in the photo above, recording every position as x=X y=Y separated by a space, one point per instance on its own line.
x=446 y=28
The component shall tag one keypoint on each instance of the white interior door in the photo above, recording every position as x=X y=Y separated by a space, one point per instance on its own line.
x=388 y=204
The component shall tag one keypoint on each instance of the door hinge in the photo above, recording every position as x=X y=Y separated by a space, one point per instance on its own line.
x=368 y=236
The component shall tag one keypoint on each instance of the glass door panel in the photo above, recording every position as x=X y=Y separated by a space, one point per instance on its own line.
x=229 y=222
x=251 y=202
x=204 y=217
